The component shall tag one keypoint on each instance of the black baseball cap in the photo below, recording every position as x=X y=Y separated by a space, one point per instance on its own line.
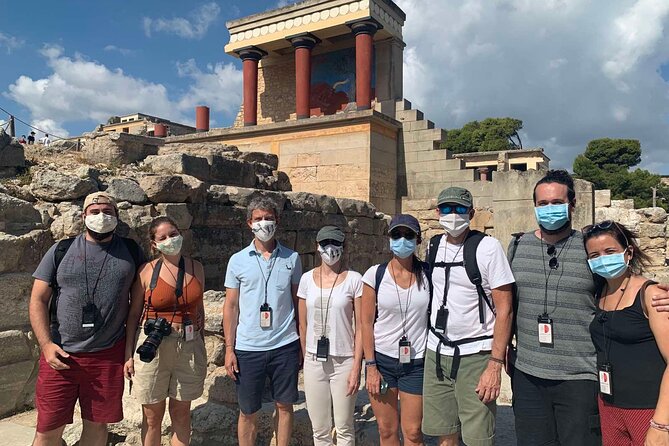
x=406 y=221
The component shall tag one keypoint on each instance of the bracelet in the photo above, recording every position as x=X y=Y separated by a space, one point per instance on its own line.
x=229 y=345
x=370 y=363
x=498 y=361
x=658 y=426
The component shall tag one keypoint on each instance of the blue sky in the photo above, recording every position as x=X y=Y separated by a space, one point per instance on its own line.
x=572 y=70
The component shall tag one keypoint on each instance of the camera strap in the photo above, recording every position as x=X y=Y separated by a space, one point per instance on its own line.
x=179 y=286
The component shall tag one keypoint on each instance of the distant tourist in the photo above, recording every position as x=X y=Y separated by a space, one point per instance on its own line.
x=81 y=332
x=46 y=141
x=260 y=324
x=31 y=138
x=22 y=139
x=394 y=334
x=330 y=311
x=168 y=292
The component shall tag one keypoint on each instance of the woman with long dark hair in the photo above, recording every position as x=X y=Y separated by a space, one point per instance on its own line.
x=395 y=298
x=631 y=339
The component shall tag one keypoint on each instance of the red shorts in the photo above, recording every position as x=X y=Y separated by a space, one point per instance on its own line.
x=95 y=379
x=623 y=427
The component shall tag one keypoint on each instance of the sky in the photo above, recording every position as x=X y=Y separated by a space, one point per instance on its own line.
x=571 y=70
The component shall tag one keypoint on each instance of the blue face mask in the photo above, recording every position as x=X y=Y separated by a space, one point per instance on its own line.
x=609 y=266
x=402 y=247
x=552 y=216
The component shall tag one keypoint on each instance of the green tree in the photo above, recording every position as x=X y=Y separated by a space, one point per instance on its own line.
x=606 y=163
x=491 y=134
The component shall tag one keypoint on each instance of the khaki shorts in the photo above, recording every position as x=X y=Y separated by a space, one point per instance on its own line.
x=451 y=406
x=177 y=371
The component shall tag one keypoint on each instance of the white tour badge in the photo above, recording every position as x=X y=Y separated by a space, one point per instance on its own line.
x=405 y=350
x=265 y=316
x=545 y=330
x=189 y=330
x=605 y=386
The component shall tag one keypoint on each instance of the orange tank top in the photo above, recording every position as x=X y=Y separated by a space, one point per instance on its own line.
x=164 y=296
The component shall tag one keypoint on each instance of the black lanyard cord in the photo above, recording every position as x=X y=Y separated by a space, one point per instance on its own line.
x=327 y=308
x=404 y=314
x=269 y=274
x=550 y=271
x=447 y=272
x=91 y=297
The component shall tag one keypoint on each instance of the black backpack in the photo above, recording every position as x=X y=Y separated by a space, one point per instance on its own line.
x=61 y=249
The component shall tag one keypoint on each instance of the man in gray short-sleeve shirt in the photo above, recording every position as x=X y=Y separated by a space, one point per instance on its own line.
x=82 y=341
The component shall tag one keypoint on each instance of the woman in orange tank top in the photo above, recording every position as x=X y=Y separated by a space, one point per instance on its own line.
x=171 y=361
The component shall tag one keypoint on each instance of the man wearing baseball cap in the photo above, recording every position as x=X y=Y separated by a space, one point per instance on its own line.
x=470 y=315
x=78 y=309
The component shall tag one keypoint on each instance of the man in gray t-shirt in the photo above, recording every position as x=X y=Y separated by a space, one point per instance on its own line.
x=81 y=332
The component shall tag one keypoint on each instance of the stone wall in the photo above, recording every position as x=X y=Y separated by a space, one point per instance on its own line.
x=206 y=193
x=12 y=159
x=651 y=225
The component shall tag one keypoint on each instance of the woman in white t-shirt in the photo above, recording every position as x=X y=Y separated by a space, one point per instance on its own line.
x=394 y=334
x=328 y=306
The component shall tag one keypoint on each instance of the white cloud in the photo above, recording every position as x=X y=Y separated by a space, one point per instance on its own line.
x=193 y=27
x=572 y=70
x=10 y=43
x=121 y=51
x=79 y=89
x=51 y=127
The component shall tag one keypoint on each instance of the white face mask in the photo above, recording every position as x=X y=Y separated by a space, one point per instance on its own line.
x=101 y=223
x=171 y=246
x=331 y=254
x=454 y=224
x=264 y=230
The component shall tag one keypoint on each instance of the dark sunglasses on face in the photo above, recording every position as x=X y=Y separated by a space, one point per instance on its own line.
x=453 y=209
x=324 y=243
x=398 y=234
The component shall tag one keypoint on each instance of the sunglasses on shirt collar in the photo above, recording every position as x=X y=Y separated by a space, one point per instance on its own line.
x=453 y=209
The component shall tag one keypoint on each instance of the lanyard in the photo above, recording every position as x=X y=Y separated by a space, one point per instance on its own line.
x=269 y=274
x=327 y=308
x=550 y=271
x=404 y=314
x=447 y=272
x=90 y=297
x=607 y=318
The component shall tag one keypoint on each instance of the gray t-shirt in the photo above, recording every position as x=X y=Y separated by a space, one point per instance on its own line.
x=112 y=267
x=569 y=301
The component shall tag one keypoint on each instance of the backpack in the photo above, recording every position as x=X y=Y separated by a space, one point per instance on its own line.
x=61 y=249
x=469 y=262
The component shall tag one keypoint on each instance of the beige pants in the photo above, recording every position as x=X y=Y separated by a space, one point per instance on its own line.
x=325 y=385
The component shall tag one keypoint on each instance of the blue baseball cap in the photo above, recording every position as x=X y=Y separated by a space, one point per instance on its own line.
x=406 y=221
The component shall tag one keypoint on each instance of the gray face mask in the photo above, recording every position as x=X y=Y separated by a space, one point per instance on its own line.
x=330 y=254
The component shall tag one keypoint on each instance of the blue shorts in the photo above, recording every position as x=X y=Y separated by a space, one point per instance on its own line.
x=280 y=365
x=407 y=377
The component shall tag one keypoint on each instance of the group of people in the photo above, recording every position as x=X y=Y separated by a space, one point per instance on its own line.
x=583 y=335
x=30 y=140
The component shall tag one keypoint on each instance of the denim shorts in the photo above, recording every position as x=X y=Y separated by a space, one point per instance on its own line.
x=281 y=365
x=407 y=377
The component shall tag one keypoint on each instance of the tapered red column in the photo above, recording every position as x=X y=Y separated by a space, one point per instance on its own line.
x=250 y=57
x=364 y=53
x=303 y=44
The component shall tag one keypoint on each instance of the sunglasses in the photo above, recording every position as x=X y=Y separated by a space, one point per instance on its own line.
x=324 y=243
x=602 y=226
x=453 y=209
x=398 y=234
x=553 y=263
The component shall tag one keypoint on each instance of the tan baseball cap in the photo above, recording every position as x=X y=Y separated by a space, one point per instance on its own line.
x=99 y=198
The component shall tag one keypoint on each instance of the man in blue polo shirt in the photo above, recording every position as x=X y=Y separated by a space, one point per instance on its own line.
x=259 y=322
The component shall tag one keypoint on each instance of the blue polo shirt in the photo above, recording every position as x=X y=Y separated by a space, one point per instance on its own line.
x=247 y=271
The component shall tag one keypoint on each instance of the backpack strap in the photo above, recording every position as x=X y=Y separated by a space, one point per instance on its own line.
x=472 y=267
x=380 y=271
x=432 y=249
x=512 y=249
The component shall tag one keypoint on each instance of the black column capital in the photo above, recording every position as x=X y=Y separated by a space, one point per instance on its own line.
x=365 y=26
x=303 y=40
x=251 y=53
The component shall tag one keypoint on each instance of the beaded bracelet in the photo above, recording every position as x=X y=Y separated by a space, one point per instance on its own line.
x=498 y=361
x=658 y=426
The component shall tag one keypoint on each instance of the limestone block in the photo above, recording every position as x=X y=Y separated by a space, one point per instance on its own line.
x=356 y=208
x=23 y=253
x=306 y=241
x=172 y=188
x=68 y=221
x=179 y=163
x=134 y=223
x=242 y=196
x=283 y=181
x=306 y=174
x=217 y=193
x=627 y=217
x=215 y=346
x=602 y=198
x=221 y=216
x=585 y=203
x=657 y=256
x=47 y=212
x=125 y=189
x=623 y=204
x=651 y=230
x=51 y=185
x=13 y=379
x=18 y=191
x=63 y=145
x=311 y=202
x=17 y=216
x=654 y=215
x=233 y=172
x=362 y=225
x=119 y=147
x=14 y=347
x=11 y=152
x=652 y=243
x=213 y=310
x=220 y=388
x=176 y=211
x=303 y=220
x=85 y=172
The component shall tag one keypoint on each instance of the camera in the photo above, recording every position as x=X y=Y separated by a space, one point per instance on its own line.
x=155 y=330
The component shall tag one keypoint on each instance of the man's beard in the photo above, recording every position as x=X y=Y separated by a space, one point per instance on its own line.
x=99 y=236
x=556 y=231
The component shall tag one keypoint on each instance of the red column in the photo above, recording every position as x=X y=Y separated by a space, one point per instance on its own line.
x=250 y=58
x=364 y=53
x=202 y=118
x=303 y=44
x=160 y=130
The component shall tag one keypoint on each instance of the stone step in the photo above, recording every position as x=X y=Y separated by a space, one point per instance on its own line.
x=402 y=105
x=409 y=115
